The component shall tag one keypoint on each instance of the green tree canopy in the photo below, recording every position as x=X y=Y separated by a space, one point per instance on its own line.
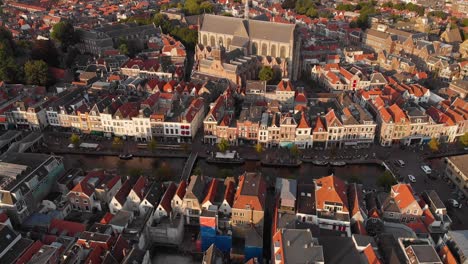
x=36 y=72
x=45 y=50
x=152 y=145
x=64 y=33
x=123 y=49
x=434 y=144
x=295 y=151
x=464 y=139
x=223 y=145
x=117 y=143
x=259 y=148
x=75 y=140
x=386 y=180
x=266 y=74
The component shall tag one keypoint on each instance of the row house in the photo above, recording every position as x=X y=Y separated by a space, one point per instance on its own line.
x=401 y=205
x=249 y=204
x=335 y=77
x=95 y=189
x=29 y=113
x=325 y=203
x=149 y=69
x=219 y=113
x=457 y=110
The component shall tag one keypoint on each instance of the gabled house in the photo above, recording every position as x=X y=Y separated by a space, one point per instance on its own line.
x=117 y=202
x=192 y=202
x=137 y=194
x=331 y=204
x=249 y=203
x=177 y=200
x=82 y=197
x=152 y=198
x=226 y=206
x=164 y=207
x=287 y=190
x=401 y=205
x=108 y=188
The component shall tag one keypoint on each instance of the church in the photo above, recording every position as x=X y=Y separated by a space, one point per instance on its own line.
x=236 y=48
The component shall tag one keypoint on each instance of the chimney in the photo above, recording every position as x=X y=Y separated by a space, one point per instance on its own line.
x=288 y=243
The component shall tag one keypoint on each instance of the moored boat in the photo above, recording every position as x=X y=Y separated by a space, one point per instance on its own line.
x=337 y=163
x=127 y=156
x=320 y=162
x=225 y=158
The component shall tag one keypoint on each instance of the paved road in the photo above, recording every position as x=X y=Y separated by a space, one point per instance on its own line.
x=413 y=166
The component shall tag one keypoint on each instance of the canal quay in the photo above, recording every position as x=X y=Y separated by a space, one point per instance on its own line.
x=306 y=173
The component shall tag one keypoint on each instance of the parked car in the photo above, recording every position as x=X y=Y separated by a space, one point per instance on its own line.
x=412 y=178
x=454 y=203
x=426 y=169
x=400 y=163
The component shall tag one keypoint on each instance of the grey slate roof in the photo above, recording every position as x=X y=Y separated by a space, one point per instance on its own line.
x=300 y=247
x=253 y=29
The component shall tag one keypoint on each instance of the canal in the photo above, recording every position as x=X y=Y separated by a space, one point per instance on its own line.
x=172 y=168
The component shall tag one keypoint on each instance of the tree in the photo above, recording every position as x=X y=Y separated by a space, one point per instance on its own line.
x=259 y=148
x=386 y=180
x=75 y=140
x=294 y=150
x=45 y=50
x=464 y=139
x=152 y=145
x=64 y=33
x=197 y=171
x=312 y=12
x=123 y=49
x=223 y=145
x=192 y=7
x=434 y=144
x=206 y=7
x=36 y=72
x=117 y=143
x=266 y=74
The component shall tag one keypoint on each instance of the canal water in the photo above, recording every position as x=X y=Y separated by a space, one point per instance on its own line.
x=172 y=168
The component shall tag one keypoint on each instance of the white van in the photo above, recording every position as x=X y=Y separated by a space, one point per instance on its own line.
x=426 y=169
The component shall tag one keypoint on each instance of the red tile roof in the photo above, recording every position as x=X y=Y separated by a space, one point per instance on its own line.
x=181 y=189
x=29 y=253
x=254 y=198
x=446 y=255
x=121 y=195
x=211 y=191
x=167 y=197
x=141 y=187
x=67 y=227
x=284 y=85
x=229 y=193
x=319 y=126
x=193 y=109
x=300 y=98
x=330 y=189
x=84 y=187
x=303 y=123
x=120 y=248
x=106 y=218
x=94 y=257
x=370 y=255
x=397 y=114
x=403 y=195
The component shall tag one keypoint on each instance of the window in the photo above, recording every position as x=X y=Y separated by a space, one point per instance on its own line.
x=85 y=201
